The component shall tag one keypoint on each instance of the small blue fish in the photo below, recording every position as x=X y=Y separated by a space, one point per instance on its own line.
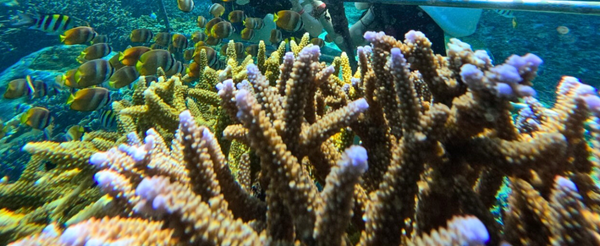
x=153 y=16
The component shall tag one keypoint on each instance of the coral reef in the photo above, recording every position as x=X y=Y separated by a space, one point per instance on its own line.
x=410 y=150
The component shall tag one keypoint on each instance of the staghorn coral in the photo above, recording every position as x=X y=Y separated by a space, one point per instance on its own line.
x=436 y=142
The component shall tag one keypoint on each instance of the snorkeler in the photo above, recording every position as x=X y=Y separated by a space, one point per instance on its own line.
x=396 y=20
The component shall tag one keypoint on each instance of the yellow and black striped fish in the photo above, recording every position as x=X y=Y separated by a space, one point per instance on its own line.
x=108 y=119
x=50 y=23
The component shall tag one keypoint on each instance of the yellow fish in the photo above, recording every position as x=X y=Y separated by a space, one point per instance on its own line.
x=36 y=117
x=162 y=39
x=100 y=39
x=247 y=33
x=92 y=73
x=221 y=30
x=198 y=36
x=141 y=35
x=216 y=10
x=78 y=35
x=254 y=23
x=179 y=42
x=150 y=61
x=211 y=23
x=74 y=133
x=212 y=40
x=130 y=56
x=201 y=21
x=288 y=20
x=20 y=87
x=95 y=51
x=211 y=55
x=185 y=5
x=123 y=77
x=89 y=99
x=276 y=36
x=237 y=16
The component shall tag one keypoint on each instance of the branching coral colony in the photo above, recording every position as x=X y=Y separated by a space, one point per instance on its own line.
x=433 y=139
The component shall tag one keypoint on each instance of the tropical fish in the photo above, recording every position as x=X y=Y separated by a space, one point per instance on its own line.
x=92 y=73
x=179 y=42
x=239 y=50
x=150 y=61
x=252 y=49
x=247 y=34
x=51 y=23
x=288 y=20
x=78 y=35
x=177 y=68
x=89 y=99
x=210 y=24
x=108 y=119
x=123 y=77
x=212 y=40
x=188 y=54
x=211 y=55
x=506 y=13
x=276 y=36
x=19 y=87
x=236 y=16
x=318 y=42
x=254 y=23
x=95 y=51
x=40 y=88
x=193 y=70
x=141 y=35
x=114 y=61
x=36 y=117
x=130 y=56
x=74 y=132
x=185 y=5
x=222 y=29
x=216 y=10
x=100 y=39
x=201 y=21
x=162 y=39
x=198 y=36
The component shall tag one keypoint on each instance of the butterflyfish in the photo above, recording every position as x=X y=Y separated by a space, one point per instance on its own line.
x=236 y=16
x=89 y=99
x=162 y=39
x=185 y=5
x=130 y=56
x=216 y=10
x=150 y=61
x=288 y=20
x=36 y=117
x=78 y=35
x=123 y=77
x=141 y=35
x=221 y=30
x=19 y=87
x=95 y=51
x=247 y=33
